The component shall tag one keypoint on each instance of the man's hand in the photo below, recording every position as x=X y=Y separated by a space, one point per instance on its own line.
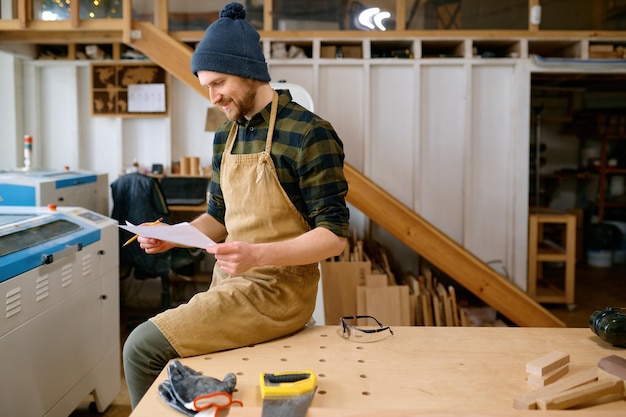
x=235 y=257
x=152 y=246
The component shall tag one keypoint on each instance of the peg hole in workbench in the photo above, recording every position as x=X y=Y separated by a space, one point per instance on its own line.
x=365 y=393
x=322 y=360
x=323 y=335
x=321 y=392
x=361 y=361
x=363 y=376
x=323 y=347
x=321 y=375
x=283 y=359
x=245 y=359
x=287 y=347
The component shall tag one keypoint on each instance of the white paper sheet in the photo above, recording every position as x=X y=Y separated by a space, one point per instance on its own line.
x=182 y=233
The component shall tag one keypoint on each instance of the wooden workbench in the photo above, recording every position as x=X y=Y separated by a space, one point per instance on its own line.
x=420 y=371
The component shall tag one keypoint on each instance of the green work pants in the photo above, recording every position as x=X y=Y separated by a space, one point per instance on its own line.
x=146 y=353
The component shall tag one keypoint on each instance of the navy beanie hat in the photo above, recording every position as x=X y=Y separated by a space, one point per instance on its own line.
x=231 y=46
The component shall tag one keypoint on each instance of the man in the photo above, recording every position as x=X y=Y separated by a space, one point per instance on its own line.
x=277 y=200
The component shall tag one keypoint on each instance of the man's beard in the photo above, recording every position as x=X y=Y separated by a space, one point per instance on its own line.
x=242 y=106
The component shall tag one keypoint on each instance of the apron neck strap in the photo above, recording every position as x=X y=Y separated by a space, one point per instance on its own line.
x=270 y=128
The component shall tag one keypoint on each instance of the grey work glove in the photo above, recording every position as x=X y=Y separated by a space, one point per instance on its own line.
x=166 y=391
x=185 y=385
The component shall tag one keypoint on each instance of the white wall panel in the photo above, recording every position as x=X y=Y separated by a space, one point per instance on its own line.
x=148 y=143
x=392 y=128
x=302 y=75
x=58 y=133
x=442 y=131
x=489 y=185
x=341 y=102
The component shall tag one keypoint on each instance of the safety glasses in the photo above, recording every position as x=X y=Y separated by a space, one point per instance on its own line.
x=371 y=331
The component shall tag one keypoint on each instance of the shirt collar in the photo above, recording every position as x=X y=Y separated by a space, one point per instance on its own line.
x=284 y=97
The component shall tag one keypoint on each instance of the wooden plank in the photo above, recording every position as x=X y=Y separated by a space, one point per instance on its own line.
x=75 y=14
x=375 y=280
x=445 y=253
x=582 y=394
x=529 y=401
x=127 y=21
x=384 y=304
x=541 y=381
x=453 y=305
x=447 y=309
x=406 y=318
x=547 y=363
x=427 y=309
x=160 y=15
x=339 y=285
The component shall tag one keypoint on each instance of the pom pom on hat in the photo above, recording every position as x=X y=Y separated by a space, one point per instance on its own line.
x=231 y=46
x=234 y=11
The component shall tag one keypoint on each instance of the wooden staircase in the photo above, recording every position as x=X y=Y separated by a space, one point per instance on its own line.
x=444 y=253
x=382 y=208
x=167 y=52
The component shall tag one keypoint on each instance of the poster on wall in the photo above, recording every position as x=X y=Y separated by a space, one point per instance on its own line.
x=128 y=90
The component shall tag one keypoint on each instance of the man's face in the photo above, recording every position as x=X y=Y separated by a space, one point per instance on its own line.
x=235 y=95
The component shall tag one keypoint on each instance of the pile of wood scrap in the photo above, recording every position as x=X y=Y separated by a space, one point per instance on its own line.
x=358 y=283
x=435 y=304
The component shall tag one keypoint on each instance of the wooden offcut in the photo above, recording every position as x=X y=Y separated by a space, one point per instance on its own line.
x=542 y=381
x=547 y=363
x=529 y=401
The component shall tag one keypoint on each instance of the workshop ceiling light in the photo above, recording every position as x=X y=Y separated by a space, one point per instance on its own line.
x=372 y=18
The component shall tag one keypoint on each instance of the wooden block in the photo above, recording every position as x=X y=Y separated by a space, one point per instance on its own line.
x=529 y=401
x=541 y=381
x=547 y=363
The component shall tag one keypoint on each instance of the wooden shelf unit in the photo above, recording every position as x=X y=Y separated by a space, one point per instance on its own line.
x=540 y=251
x=605 y=171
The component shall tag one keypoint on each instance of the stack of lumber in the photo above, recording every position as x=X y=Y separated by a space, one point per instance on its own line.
x=547 y=369
x=435 y=303
x=358 y=283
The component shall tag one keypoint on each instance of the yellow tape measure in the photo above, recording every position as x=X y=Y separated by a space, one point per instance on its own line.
x=287 y=383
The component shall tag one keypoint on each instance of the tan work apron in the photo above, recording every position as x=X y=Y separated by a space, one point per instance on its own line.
x=266 y=302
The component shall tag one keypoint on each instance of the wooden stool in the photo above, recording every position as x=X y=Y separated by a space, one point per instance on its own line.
x=541 y=251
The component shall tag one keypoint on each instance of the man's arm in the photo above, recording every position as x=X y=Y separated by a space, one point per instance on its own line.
x=313 y=246
x=210 y=227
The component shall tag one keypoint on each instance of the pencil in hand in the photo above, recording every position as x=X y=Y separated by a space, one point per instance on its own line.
x=132 y=239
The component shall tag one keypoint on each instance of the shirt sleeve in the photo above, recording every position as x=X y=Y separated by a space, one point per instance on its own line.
x=321 y=178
